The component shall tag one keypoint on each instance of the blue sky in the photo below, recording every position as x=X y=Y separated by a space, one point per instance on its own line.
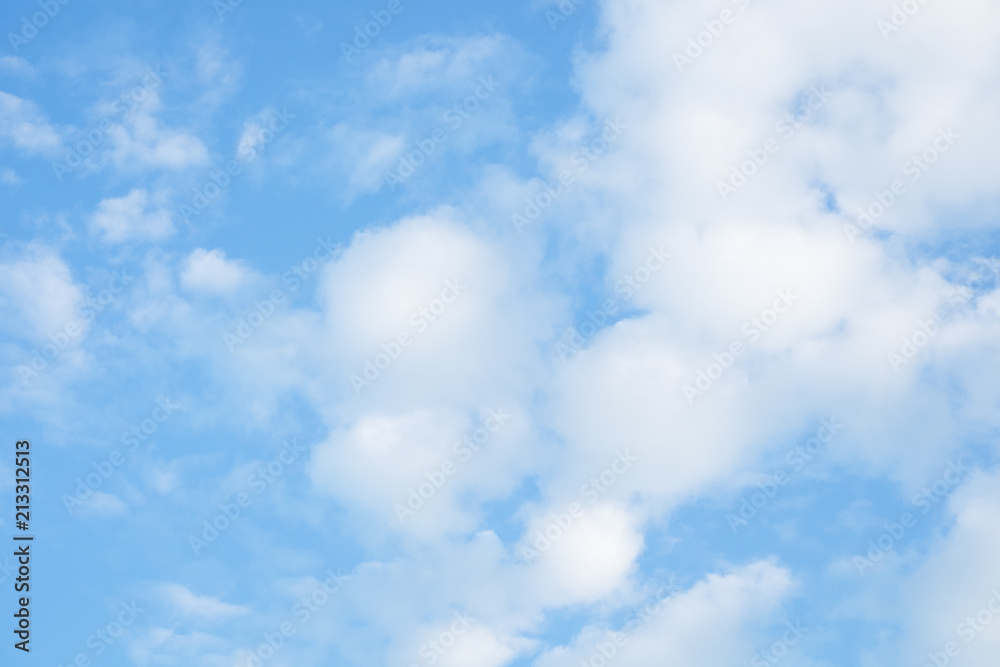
x=539 y=334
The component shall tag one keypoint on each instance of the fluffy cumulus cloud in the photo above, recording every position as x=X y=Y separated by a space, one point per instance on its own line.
x=134 y=217
x=668 y=337
x=38 y=291
x=958 y=582
x=141 y=140
x=210 y=271
x=582 y=557
x=719 y=620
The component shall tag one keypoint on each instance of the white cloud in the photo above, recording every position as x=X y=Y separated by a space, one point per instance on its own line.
x=203 y=607
x=167 y=646
x=425 y=447
x=217 y=72
x=24 y=125
x=38 y=291
x=9 y=177
x=956 y=583
x=141 y=140
x=715 y=623
x=481 y=647
x=17 y=66
x=480 y=345
x=412 y=106
x=436 y=62
x=364 y=156
x=377 y=288
x=355 y=465
x=210 y=271
x=103 y=504
x=591 y=556
x=132 y=218
x=259 y=131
